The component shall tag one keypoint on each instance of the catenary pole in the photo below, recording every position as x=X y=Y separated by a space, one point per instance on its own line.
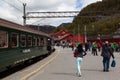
x=24 y=14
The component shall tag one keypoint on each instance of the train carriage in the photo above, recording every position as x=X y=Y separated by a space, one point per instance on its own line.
x=20 y=44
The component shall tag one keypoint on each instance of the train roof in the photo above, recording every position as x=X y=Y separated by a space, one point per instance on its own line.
x=12 y=25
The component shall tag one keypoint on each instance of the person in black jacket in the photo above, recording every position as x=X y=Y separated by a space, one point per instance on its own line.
x=79 y=57
x=107 y=52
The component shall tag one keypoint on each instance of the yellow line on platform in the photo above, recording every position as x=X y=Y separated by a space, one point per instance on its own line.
x=38 y=69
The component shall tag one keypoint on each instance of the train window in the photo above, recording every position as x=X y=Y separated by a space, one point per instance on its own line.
x=29 y=42
x=34 y=41
x=42 y=42
x=3 y=39
x=14 y=40
x=23 y=40
x=45 y=41
x=38 y=41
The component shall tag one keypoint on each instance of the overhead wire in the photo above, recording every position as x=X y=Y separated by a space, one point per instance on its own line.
x=38 y=21
x=14 y=8
x=20 y=1
x=12 y=5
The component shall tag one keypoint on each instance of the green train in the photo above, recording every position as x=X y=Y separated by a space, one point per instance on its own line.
x=20 y=44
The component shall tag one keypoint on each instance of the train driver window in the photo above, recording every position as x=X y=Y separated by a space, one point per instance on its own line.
x=3 y=39
x=14 y=40
x=23 y=40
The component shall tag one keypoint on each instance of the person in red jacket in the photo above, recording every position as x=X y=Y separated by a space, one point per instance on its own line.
x=99 y=46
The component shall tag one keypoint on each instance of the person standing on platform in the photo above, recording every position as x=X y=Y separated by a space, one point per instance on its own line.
x=94 y=49
x=86 y=46
x=107 y=52
x=99 y=46
x=79 y=57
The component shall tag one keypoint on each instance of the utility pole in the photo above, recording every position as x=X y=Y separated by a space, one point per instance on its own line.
x=78 y=33
x=74 y=31
x=85 y=34
x=24 y=14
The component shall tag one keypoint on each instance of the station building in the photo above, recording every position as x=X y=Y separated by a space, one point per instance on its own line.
x=65 y=36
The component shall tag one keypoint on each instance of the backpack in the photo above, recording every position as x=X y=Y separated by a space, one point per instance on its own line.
x=78 y=54
x=75 y=53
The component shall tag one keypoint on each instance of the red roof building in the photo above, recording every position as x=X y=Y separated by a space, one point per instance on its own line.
x=64 y=35
x=78 y=38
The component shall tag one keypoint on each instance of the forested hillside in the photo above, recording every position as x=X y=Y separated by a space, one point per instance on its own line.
x=100 y=17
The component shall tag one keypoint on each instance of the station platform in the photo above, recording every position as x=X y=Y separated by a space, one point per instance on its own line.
x=61 y=65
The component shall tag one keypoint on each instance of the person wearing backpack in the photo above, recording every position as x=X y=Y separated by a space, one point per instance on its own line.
x=80 y=53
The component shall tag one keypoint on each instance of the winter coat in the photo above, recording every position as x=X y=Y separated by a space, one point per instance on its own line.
x=107 y=51
x=80 y=53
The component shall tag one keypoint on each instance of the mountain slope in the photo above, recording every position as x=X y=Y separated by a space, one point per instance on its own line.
x=100 y=17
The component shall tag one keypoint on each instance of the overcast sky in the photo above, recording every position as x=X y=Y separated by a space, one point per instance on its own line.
x=13 y=9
